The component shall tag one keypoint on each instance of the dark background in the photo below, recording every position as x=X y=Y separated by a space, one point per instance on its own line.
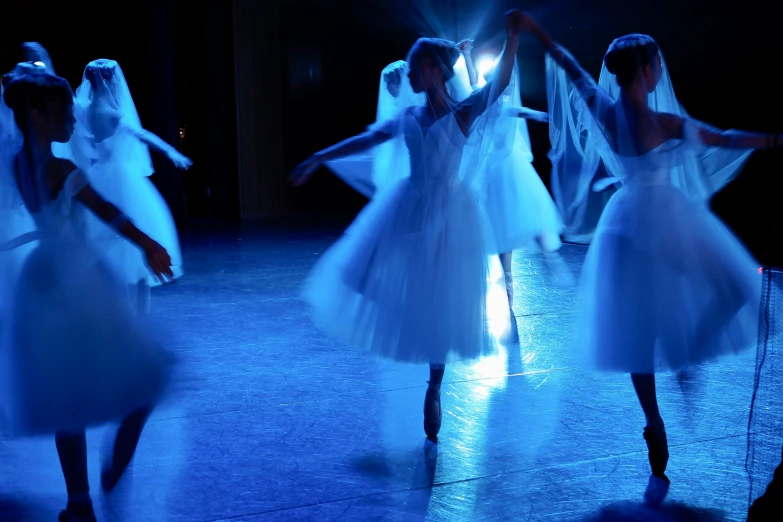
x=724 y=59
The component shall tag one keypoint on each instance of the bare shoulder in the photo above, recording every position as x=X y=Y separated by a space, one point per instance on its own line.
x=59 y=167
x=56 y=171
x=670 y=124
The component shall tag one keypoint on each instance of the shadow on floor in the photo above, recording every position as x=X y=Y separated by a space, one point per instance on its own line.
x=655 y=509
x=640 y=512
x=18 y=510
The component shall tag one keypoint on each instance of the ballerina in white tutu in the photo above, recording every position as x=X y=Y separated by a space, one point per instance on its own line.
x=409 y=279
x=665 y=284
x=110 y=144
x=74 y=353
x=519 y=207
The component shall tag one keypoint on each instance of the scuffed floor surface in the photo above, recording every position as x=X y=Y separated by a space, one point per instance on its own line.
x=271 y=420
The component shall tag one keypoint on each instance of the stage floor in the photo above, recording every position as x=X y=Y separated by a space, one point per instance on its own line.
x=271 y=420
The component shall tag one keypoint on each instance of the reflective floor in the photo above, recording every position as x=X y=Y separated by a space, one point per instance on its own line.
x=271 y=420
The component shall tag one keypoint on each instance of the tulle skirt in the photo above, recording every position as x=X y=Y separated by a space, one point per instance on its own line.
x=73 y=352
x=137 y=197
x=14 y=222
x=411 y=279
x=665 y=285
x=519 y=207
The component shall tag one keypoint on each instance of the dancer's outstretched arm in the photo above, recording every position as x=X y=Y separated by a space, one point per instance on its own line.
x=529 y=114
x=154 y=142
x=359 y=143
x=57 y=172
x=710 y=136
x=587 y=88
x=149 y=139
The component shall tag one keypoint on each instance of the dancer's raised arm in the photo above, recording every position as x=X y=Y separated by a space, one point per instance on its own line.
x=466 y=48
x=474 y=106
x=587 y=87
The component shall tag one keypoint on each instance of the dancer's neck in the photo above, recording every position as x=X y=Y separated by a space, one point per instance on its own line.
x=635 y=97
x=41 y=148
x=438 y=101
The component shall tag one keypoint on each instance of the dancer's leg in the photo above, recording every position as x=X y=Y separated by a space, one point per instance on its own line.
x=125 y=444
x=505 y=260
x=432 y=411
x=654 y=431
x=72 y=450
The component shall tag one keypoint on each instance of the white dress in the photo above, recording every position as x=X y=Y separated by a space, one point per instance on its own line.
x=128 y=186
x=410 y=279
x=665 y=284
x=73 y=352
x=518 y=204
x=15 y=220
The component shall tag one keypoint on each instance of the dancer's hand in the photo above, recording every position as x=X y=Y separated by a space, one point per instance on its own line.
x=465 y=45
x=518 y=22
x=179 y=160
x=301 y=174
x=158 y=260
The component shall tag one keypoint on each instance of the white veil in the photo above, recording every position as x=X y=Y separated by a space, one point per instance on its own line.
x=360 y=171
x=584 y=161
x=512 y=135
x=102 y=93
x=483 y=107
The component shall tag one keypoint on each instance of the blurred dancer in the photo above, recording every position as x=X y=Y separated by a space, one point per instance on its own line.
x=74 y=353
x=409 y=280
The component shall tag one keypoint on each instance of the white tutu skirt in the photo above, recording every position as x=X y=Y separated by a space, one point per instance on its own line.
x=410 y=278
x=665 y=285
x=519 y=207
x=73 y=352
x=137 y=197
x=16 y=222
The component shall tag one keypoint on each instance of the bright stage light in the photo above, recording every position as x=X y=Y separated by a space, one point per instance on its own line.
x=485 y=65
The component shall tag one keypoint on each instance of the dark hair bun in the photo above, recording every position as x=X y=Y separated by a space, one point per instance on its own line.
x=33 y=91
x=446 y=51
x=627 y=55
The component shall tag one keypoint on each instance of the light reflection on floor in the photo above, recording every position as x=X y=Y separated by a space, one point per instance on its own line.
x=273 y=421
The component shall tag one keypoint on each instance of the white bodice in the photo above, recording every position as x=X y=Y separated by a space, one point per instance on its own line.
x=652 y=168
x=64 y=218
x=435 y=153
x=658 y=166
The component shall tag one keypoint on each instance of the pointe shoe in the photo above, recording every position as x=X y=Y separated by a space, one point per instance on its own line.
x=657 y=450
x=433 y=416
x=77 y=513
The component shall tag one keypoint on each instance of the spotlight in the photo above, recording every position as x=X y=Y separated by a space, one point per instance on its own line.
x=485 y=65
